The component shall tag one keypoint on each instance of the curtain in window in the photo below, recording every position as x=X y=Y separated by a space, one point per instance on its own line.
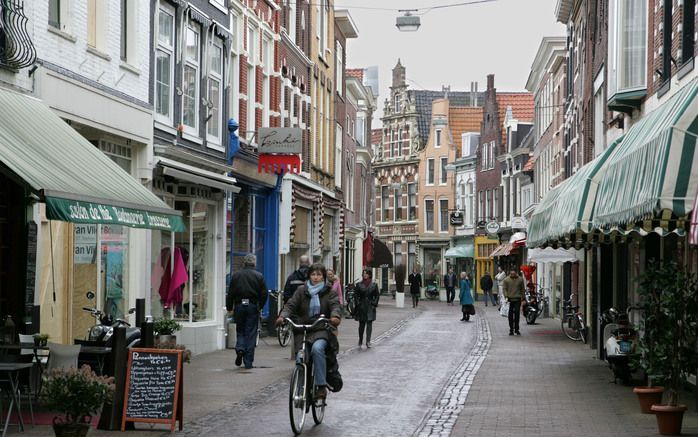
x=633 y=44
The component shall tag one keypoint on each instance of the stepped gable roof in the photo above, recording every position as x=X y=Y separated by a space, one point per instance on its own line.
x=424 y=98
x=357 y=73
x=464 y=119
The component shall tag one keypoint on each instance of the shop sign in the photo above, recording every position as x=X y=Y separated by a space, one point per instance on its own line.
x=456 y=218
x=518 y=223
x=285 y=140
x=85 y=243
x=481 y=224
x=492 y=227
x=88 y=212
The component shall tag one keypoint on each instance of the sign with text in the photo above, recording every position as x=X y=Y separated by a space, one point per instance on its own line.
x=85 y=243
x=456 y=218
x=153 y=392
x=285 y=140
x=492 y=227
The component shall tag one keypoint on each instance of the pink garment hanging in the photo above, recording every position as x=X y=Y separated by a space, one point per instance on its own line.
x=172 y=284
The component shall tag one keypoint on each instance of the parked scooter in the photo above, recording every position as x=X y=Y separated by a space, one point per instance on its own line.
x=102 y=333
x=620 y=343
x=431 y=291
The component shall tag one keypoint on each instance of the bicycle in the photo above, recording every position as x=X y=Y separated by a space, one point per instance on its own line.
x=350 y=299
x=572 y=322
x=301 y=396
x=283 y=332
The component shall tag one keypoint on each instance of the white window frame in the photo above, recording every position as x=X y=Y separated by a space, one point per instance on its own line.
x=339 y=68
x=214 y=140
x=411 y=200
x=443 y=224
x=385 y=202
x=397 y=204
x=443 y=176
x=168 y=49
x=292 y=15
x=234 y=69
x=96 y=25
x=267 y=70
x=430 y=172
x=433 y=218
x=437 y=138
x=339 y=136
x=616 y=47
x=252 y=38
x=194 y=64
x=484 y=161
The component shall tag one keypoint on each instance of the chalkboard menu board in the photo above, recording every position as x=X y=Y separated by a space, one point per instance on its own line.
x=153 y=389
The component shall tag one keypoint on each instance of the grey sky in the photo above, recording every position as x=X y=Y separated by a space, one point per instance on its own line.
x=454 y=46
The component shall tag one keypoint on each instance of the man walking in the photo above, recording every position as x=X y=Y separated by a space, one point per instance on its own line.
x=486 y=285
x=297 y=278
x=514 y=291
x=247 y=294
x=450 y=284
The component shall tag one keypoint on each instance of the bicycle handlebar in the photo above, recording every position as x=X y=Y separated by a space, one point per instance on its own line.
x=309 y=327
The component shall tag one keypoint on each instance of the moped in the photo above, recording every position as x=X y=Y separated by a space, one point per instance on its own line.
x=620 y=343
x=101 y=334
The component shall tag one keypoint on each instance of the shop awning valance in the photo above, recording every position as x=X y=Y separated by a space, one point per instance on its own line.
x=568 y=207
x=78 y=182
x=502 y=250
x=550 y=255
x=461 y=251
x=654 y=168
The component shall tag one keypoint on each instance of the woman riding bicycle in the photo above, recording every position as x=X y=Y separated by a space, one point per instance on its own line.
x=312 y=299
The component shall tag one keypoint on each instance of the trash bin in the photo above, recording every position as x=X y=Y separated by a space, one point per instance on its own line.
x=272 y=312
x=230 y=335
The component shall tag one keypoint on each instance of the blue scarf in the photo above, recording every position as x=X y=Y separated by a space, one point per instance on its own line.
x=314 y=291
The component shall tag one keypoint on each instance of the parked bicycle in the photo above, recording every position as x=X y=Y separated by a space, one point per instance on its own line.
x=302 y=390
x=572 y=321
x=350 y=299
x=283 y=332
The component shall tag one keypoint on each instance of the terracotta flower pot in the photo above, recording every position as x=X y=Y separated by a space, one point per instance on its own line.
x=648 y=396
x=669 y=418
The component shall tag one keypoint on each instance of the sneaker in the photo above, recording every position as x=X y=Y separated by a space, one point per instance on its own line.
x=511 y=333
x=368 y=344
x=321 y=392
x=238 y=359
x=518 y=333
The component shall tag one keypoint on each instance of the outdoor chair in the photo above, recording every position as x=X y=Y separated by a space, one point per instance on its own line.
x=62 y=356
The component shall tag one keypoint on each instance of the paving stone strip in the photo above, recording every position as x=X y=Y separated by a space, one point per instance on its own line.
x=441 y=418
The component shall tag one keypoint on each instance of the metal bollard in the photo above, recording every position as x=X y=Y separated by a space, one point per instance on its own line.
x=110 y=419
x=140 y=312
x=147 y=333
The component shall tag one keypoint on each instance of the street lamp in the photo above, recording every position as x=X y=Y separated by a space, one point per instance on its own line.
x=408 y=22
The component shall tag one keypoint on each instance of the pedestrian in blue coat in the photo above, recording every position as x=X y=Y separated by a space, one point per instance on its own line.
x=466 y=297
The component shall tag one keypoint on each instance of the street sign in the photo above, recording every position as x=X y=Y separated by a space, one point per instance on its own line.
x=456 y=218
x=492 y=227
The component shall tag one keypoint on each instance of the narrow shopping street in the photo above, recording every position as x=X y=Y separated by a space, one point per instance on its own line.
x=428 y=374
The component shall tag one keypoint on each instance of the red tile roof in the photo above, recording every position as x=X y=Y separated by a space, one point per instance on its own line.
x=376 y=136
x=356 y=72
x=530 y=164
x=464 y=119
x=521 y=106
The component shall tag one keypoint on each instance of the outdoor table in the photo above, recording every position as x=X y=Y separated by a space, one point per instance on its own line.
x=12 y=372
x=100 y=352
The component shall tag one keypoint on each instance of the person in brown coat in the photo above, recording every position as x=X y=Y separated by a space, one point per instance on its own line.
x=514 y=287
x=311 y=300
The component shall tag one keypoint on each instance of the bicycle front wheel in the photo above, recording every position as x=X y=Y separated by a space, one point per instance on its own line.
x=581 y=329
x=318 y=411
x=283 y=334
x=297 y=400
x=569 y=325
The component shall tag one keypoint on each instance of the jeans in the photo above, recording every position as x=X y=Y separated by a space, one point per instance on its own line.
x=415 y=300
x=319 y=361
x=492 y=298
x=514 y=315
x=246 y=319
x=369 y=327
x=450 y=294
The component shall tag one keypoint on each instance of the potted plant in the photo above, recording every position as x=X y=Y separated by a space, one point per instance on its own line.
x=165 y=329
x=40 y=340
x=400 y=273
x=77 y=394
x=674 y=332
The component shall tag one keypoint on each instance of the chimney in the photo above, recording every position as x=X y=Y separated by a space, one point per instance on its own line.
x=445 y=90
x=490 y=81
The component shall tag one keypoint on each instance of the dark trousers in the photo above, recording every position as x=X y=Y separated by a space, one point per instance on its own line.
x=369 y=327
x=514 y=315
x=246 y=319
x=415 y=299
x=450 y=294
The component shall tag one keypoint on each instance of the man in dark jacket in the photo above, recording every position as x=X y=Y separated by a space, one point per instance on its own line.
x=415 y=281
x=297 y=278
x=450 y=281
x=486 y=285
x=247 y=294
x=514 y=290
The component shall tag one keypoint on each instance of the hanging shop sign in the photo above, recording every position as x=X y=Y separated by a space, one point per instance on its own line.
x=456 y=218
x=284 y=140
x=492 y=227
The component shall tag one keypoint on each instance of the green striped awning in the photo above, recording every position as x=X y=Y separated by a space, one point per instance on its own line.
x=78 y=182
x=568 y=207
x=464 y=250
x=654 y=168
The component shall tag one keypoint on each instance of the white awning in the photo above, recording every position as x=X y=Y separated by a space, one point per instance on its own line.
x=550 y=255
x=197 y=175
